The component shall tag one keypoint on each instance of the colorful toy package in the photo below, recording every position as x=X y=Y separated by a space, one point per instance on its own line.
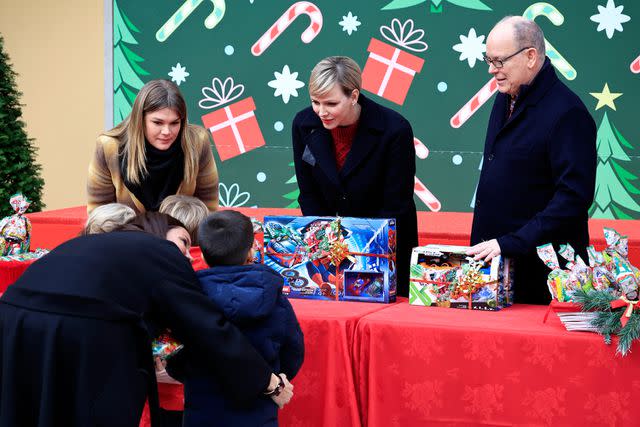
x=165 y=346
x=329 y=258
x=444 y=276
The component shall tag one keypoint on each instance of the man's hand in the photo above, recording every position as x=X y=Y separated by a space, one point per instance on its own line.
x=285 y=394
x=485 y=250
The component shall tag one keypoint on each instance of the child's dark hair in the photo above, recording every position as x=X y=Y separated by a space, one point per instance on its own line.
x=225 y=238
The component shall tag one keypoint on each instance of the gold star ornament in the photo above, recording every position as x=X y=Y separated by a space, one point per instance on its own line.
x=605 y=97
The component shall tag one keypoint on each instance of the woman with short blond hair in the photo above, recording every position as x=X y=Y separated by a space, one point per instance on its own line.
x=354 y=157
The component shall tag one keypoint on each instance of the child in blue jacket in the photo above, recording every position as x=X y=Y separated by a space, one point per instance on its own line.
x=250 y=295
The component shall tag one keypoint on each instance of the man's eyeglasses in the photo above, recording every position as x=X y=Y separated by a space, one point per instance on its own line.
x=499 y=63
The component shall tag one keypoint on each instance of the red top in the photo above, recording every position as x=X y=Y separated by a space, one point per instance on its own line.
x=342 y=140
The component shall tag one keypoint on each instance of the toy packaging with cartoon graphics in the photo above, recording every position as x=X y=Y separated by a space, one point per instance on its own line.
x=330 y=258
x=444 y=276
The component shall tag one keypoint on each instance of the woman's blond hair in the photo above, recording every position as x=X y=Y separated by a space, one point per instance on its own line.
x=189 y=210
x=340 y=70
x=106 y=218
x=154 y=96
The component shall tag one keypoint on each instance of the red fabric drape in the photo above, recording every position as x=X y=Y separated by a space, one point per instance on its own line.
x=420 y=366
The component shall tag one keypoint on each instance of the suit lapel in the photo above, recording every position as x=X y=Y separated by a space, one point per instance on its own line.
x=497 y=120
x=321 y=146
x=367 y=136
x=363 y=142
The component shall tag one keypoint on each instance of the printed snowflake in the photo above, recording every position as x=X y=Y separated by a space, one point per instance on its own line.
x=349 y=23
x=610 y=18
x=285 y=84
x=471 y=47
x=178 y=74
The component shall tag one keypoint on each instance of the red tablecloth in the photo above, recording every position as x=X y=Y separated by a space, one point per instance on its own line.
x=325 y=388
x=325 y=391
x=420 y=366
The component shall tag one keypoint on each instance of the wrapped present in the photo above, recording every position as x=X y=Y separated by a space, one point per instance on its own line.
x=15 y=230
x=444 y=276
x=389 y=70
x=328 y=258
x=234 y=126
x=165 y=346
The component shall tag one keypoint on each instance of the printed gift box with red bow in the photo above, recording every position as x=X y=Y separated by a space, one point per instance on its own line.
x=389 y=70
x=234 y=127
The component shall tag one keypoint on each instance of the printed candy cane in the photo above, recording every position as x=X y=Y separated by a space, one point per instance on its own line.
x=296 y=9
x=214 y=18
x=426 y=196
x=635 y=66
x=421 y=150
x=550 y=12
x=474 y=103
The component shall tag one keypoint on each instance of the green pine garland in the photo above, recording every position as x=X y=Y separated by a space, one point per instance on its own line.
x=18 y=170
x=608 y=321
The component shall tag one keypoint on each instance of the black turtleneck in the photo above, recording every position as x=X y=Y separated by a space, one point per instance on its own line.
x=165 y=173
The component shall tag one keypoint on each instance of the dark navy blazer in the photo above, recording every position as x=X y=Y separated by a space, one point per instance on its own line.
x=538 y=178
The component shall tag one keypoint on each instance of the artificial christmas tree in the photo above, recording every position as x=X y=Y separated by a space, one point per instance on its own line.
x=18 y=170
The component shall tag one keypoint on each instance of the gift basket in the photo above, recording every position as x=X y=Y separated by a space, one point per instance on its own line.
x=601 y=296
x=15 y=238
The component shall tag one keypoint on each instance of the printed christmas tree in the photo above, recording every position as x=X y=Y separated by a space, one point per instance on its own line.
x=126 y=66
x=19 y=171
x=615 y=195
x=293 y=195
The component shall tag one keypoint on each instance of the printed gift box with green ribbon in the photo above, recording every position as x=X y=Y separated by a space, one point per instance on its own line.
x=329 y=258
x=444 y=276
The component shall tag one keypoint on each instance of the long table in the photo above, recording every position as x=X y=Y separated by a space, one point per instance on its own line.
x=400 y=365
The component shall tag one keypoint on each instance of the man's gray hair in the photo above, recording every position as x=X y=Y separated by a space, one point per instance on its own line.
x=527 y=33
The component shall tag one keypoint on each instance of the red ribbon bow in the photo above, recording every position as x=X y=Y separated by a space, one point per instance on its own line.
x=631 y=305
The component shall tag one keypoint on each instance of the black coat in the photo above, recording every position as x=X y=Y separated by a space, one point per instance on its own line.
x=250 y=296
x=376 y=180
x=538 y=178
x=75 y=348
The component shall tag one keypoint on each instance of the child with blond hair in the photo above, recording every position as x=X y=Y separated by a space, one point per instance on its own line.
x=106 y=218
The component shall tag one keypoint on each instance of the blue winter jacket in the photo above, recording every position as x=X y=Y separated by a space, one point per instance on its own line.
x=251 y=298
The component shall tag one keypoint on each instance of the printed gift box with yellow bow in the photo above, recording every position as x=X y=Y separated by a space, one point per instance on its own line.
x=234 y=127
x=444 y=276
x=328 y=258
x=389 y=71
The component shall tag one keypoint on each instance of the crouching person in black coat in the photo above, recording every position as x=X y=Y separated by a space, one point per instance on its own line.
x=74 y=344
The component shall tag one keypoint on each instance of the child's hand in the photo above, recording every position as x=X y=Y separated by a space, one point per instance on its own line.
x=160 y=364
x=285 y=394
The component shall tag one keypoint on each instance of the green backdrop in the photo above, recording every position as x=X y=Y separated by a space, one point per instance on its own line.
x=599 y=39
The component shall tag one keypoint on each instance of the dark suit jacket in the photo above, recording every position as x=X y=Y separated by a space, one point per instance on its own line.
x=538 y=178
x=376 y=180
x=74 y=347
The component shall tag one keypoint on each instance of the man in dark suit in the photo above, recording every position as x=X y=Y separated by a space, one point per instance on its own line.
x=539 y=169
